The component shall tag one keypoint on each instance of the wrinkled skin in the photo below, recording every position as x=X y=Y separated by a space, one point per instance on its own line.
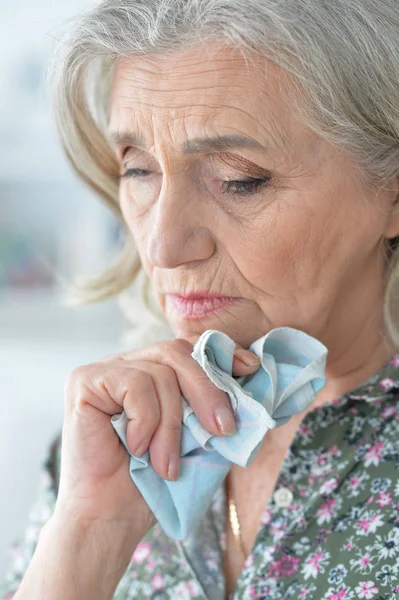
x=303 y=250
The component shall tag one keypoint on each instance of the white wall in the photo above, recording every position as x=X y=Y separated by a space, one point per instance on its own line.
x=28 y=36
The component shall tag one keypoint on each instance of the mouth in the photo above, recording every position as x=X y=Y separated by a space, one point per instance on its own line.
x=198 y=305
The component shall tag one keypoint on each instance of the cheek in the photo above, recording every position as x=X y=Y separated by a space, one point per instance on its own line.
x=137 y=225
x=276 y=249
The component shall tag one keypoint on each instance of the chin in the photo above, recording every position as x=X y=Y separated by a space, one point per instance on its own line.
x=239 y=332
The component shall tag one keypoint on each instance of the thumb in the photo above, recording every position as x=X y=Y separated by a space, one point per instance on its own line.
x=244 y=361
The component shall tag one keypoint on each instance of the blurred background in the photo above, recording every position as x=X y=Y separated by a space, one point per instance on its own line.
x=49 y=223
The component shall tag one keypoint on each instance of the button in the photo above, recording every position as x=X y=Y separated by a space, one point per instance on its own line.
x=283 y=497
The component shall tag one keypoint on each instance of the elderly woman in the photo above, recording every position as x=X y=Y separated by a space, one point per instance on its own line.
x=251 y=150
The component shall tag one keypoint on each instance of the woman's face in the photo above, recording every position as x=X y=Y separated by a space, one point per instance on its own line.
x=299 y=246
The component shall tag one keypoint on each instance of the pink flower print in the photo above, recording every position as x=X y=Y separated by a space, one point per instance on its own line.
x=325 y=512
x=250 y=560
x=266 y=517
x=388 y=411
x=373 y=455
x=334 y=451
x=354 y=482
x=366 y=589
x=303 y=593
x=364 y=561
x=192 y=588
x=387 y=384
x=369 y=523
x=157 y=582
x=396 y=590
x=348 y=546
x=384 y=499
x=335 y=401
x=395 y=360
x=287 y=565
x=340 y=595
x=142 y=551
x=315 y=564
x=185 y=590
x=252 y=591
x=277 y=530
x=329 y=486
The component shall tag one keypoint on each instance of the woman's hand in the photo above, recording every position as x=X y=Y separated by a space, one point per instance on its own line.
x=95 y=484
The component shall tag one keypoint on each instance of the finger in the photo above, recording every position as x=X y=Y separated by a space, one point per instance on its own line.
x=244 y=361
x=142 y=409
x=210 y=404
x=165 y=443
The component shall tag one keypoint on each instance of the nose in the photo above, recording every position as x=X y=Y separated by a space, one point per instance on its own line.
x=178 y=233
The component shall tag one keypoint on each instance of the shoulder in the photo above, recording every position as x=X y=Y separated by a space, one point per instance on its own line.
x=382 y=447
x=41 y=510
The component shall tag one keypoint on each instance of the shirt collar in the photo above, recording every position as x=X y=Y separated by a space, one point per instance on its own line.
x=378 y=385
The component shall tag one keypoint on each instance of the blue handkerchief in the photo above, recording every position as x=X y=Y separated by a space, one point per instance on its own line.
x=292 y=371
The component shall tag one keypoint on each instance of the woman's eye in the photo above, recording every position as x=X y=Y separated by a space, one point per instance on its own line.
x=244 y=187
x=135 y=173
x=238 y=187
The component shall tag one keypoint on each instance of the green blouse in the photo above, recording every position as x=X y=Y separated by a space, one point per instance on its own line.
x=332 y=533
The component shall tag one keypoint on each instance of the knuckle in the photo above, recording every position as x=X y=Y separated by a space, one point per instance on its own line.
x=141 y=413
x=172 y=426
x=213 y=390
x=140 y=431
x=139 y=404
x=141 y=380
x=179 y=346
x=78 y=373
x=166 y=379
x=206 y=386
x=113 y=358
x=141 y=420
x=137 y=441
x=76 y=378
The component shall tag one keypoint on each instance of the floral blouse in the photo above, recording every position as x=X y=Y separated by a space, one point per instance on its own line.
x=336 y=538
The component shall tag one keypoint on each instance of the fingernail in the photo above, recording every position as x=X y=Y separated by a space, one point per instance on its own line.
x=225 y=420
x=173 y=467
x=249 y=359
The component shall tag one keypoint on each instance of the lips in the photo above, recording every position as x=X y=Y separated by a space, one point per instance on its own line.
x=195 y=306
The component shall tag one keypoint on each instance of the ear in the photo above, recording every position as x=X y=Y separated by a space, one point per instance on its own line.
x=392 y=226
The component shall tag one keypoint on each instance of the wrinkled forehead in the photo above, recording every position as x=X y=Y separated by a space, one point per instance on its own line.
x=214 y=84
x=208 y=66
x=212 y=91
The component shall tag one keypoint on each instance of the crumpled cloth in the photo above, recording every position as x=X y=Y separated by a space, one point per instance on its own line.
x=292 y=371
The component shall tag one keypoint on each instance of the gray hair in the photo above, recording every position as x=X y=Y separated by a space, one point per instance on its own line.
x=342 y=57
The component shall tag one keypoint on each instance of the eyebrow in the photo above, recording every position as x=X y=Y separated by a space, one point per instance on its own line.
x=194 y=146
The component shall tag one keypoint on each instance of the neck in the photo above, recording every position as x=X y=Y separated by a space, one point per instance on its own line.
x=361 y=361
x=356 y=340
